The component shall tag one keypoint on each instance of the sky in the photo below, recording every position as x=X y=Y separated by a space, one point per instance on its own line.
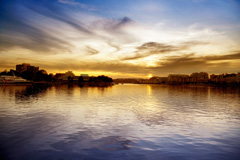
x=127 y=38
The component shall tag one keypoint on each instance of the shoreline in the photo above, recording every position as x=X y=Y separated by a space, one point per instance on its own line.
x=103 y=84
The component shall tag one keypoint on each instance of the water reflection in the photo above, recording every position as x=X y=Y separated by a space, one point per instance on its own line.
x=119 y=122
x=28 y=92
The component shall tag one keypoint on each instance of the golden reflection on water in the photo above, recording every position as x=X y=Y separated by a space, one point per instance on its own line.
x=93 y=117
x=180 y=95
x=149 y=90
x=150 y=104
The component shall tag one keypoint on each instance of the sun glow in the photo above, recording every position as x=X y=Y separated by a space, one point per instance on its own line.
x=84 y=39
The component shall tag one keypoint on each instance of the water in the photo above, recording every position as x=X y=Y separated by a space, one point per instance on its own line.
x=119 y=122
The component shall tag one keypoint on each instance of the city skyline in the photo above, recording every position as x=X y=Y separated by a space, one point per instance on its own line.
x=121 y=38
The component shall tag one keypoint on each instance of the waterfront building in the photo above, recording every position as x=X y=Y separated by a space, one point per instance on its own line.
x=32 y=69
x=85 y=77
x=225 y=78
x=214 y=78
x=178 y=79
x=158 y=80
x=127 y=80
x=26 y=67
x=22 y=67
x=143 y=81
x=201 y=77
x=230 y=78
x=64 y=76
x=238 y=78
x=76 y=78
x=58 y=76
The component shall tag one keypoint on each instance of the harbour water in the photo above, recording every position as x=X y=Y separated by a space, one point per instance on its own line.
x=119 y=122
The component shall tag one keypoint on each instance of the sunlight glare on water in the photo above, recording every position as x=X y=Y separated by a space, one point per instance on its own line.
x=119 y=122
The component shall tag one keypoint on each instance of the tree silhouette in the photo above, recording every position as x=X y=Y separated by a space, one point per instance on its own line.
x=27 y=75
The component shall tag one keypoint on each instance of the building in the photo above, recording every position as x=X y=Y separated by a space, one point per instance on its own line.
x=214 y=78
x=127 y=80
x=238 y=78
x=157 y=80
x=178 y=79
x=225 y=78
x=85 y=77
x=230 y=78
x=26 y=67
x=32 y=69
x=64 y=76
x=58 y=76
x=22 y=67
x=201 y=77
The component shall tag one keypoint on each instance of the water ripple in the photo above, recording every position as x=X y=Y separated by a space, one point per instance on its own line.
x=119 y=122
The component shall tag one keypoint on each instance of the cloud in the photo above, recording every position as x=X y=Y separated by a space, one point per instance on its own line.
x=91 y=50
x=151 y=48
x=113 y=67
x=25 y=25
x=185 y=64
x=118 y=48
x=114 y=26
x=20 y=33
x=235 y=56
x=74 y=3
x=68 y=28
x=70 y=2
x=123 y=22
x=189 y=44
x=154 y=48
x=51 y=29
x=190 y=63
x=113 y=31
x=58 y=14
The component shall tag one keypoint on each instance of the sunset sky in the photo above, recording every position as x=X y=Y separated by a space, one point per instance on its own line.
x=125 y=38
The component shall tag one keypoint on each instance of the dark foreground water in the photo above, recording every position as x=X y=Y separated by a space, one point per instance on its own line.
x=119 y=122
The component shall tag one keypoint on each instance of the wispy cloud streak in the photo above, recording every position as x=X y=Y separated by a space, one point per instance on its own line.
x=119 y=37
x=17 y=31
x=75 y=3
x=155 y=48
x=57 y=14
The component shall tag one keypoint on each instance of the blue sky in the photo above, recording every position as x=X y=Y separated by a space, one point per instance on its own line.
x=121 y=38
